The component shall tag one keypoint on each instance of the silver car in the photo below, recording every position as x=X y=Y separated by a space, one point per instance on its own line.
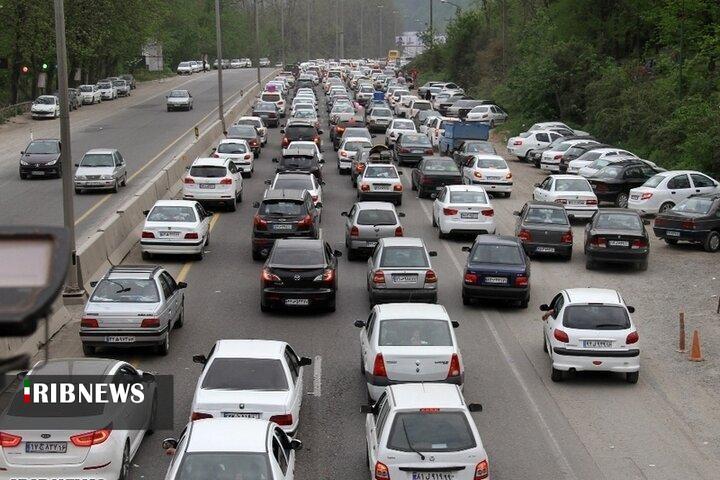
x=366 y=223
x=179 y=100
x=399 y=270
x=378 y=119
x=380 y=182
x=133 y=306
x=101 y=169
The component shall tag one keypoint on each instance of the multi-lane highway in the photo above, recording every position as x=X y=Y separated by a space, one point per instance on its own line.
x=589 y=427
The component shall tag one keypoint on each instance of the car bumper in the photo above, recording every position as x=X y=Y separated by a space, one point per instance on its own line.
x=377 y=127
x=448 y=225
x=380 y=196
x=42 y=114
x=503 y=187
x=624 y=255
x=376 y=385
x=94 y=184
x=694 y=236
x=643 y=208
x=244 y=167
x=410 y=158
x=596 y=360
x=88 y=100
x=178 y=106
x=168 y=247
x=275 y=297
x=547 y=249
x=210 y=197
x=363 y=245
x=549 y=167
x=40 y=170
x=499 y=293
x=391 y=295
x=135 y=337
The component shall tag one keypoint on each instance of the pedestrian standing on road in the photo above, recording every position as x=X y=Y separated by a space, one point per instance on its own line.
x=428 y=95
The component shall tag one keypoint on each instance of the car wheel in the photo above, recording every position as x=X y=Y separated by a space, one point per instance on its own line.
x=632 y=377
x=164 y=348
x=524 y=302
x=351 y=254
x=233 y=206
x=589 y=264
x=441 y=235
x=181 y=317
x=146 y=255
x=124 y=181
x=665 y=207
x=434 y=222
x=670 y=241
x=150 y=429
x=398 y=202
x=59 y=173
x=545 y=348
x=256 y=255
x=466 y=300
x=168 y=109
x=116 y=187
x=642 y=266
x=556 y=375
x=568 y=257
x=125 y=465
x=24 y=177
x=263 y=307
x=331 y=307
x=88 y=350
x=78 y=191
x=362 y=366
x=507 y=194
x=712 y=242
x=239 y=197
x=621 y=201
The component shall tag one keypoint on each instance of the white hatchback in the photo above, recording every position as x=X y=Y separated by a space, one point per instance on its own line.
x=213 y=180
x=463 y=209
x=397 y=127
x=261 y=379
x=590 y=329
x=572 y=191
x=348 y=149
x=239 y=152
x=490 y=171
x=175 y=227
x=663 y=191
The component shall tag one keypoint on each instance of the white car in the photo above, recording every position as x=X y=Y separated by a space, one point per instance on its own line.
x=665 y=190
x=239 y=152
x=557 y=125
x=107 y=91
x=213 y=180
x=261 y=379
x=348 y=149
x=600 y=163
x=303 y=147
x=101 y=169
x=277 y=99
x=590 y=329
x=45 y=106
x=550 y=158
x=395 y=97
x=436 y=128
x=184 y=68
x=90 y=94
x=463 y=209
x=235 y=63
x=214 y=449
x=297 y=181
x=179 y=227
x=402 y=107
x=424 y=432
x=590 y=156
x=572 y=191
x=490 y=171
x=417 y=105
x=259 y=125
x=380 y=181
x=408 y=343
x=397 y=127
x=64 y=452
x=491 y=114
x=532 y=140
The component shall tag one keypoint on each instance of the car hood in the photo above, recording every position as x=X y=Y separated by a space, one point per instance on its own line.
x=40 y=157
x=94 y=171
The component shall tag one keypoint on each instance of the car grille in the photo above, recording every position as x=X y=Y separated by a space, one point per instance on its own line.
x=92 y=177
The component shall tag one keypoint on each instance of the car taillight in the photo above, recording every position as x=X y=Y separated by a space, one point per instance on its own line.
x=259 y=223
x=454 y=370
x=282 y=420
x=226 y=181
x=430 y=277
x=253 y=143
x=470 y=278
x=285 y=142
x=191 y=236
x=150 y=323
x=600 y=187
x=567 y=237
x=488 y=212
x=477 y=174
x=688 y=225
x=340 y=130
x=381 y=471
x=482 y=471
x=359 y=168
x=426 y=180
x=429 y=151
x=646 y=196
x=557 y=157
x=639 y=243
x=247 y=156
x=379 y=366
x=632 y=337
x=591 y=201
x=316 y=139
x=188 y=180
x=365 y=187
x=517 y=142
x=269 y=277
x=306 y=222
x=398 y=187
x=599 y=242
x=354 y=231
x=521 y=281
x=404 y=150
x=450 y=211
x=561 y=336
x=199 y=416
x=399 y=231
x=91 y=438
x=379 y=277
x=148 y=235
x=561 y=201
x=660 y=221
x=525 y=235
x=8 y=440
x=87 y=322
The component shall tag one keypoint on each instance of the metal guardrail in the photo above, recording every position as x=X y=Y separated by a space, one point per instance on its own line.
x=12 y=110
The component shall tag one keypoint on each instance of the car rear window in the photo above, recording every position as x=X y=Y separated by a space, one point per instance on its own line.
x=596 y=317
x=403 y=125
x=380 y=172
x=224 y=465
x=491 y=163
x=297 y=257
x=299 y=131
x=124 y=290
x=440 y=166
x=572 y=185
x=414 y=139
x=376 y=217
x=381 y=112
x=618 y=221
x=610 y=172
x=404 y=257
x=207 y=171
x=411 y=332
x=480 y=147
x=265 y=374
x=170 y=213
x=232 y=148
x=435 y=431
x=501 y=254
x=296 y=183
x=242 y=131
x=468 y=197
x=270 y=97
x=300 y=163
x=282 y=208
x=546 y=215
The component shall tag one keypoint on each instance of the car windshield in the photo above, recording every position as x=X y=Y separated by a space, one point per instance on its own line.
x=618 y=221
x=232 y=148
x=468 y=197
x=381 y=112
x=376 y=217
x=207 y=171
x=414 y=139
x=403 y=125
x=43 y=147
x=98 y=160
x=572 y=185
x=282 y=208
x=430 y=430
x=224 y=466
x=440 y=165
x=301 y=163
x=125 y=290
x=601 y=163
x=297 y=257
x=46 y=100
x=654 y=181
x=86 y=88
x=105 y=85
x=610 y=172
x=404 y=257
x=294 y=183
x=270 y=97
x=119 y=83
x=410 y=332
x=380 y=172
x=168 y=213
x=694 y=205
x=491 y=163
x=501 y=254
x=266 y=374
x=481 y=148
x=179 y=94
x=596 y=317
x=546 y=215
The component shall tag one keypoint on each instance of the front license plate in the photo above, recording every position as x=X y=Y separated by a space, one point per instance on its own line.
x=240 y=415
x=496 y=280
x=95 y=184
x=46 y=447
x=38 y=173
x=597 y=343
x=297 y=301
x=119 y=339
x=545 y=249
x=169 y=234
x=576 y=202
x=618 y=243
x=469 y=215
x=433 y=476
x=209 y=186
x=282 y=226
x=404 y=278
x=671 y=233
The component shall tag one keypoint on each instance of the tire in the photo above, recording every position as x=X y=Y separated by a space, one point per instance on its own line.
x=78 y=191
x=398 y=202
x=670 y=241
x=199 y=256
x=331 y=307
x=233 y=206
x=146 y=255
x=568 y=257
x=264 y=308
x=60 y=173
x=665 y=207
x=181 y=318
x=632 y=377
x=589 y=264
x=642 y=266
x=556 y=375
x=434 y=222
x=153 y=415
x=712 y=242
x=164 y=348
x=256 y=255
x=88 y=350
x=125 y=465
x=507 y=194
x=239 y=198
x=545 y=349
x=524 y=302
x=466 y=300
x=351 y=254
x=116 y=187
x=621 y=201
x=24 y=177
x=441 y=235
x=124 y=181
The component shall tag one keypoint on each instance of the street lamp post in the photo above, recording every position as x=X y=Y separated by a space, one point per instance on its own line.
x=380 y=39
x=342 y=28
x=458 y=7
x=257 y=40
x=362 y=14
x=282 y=32
x=218 y=34
x=307 y=52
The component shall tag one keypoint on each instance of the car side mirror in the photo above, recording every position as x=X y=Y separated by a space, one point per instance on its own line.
x=321 y=161
x=22 y=152
x=537 y=185
x=145 y=212
x=256 y=204
x=337 y=253
x=571 y=216
x=465 y=249
x=169 y=443
x=343 y=214
x=167 y=96
x=201 y=359
x=516 y=213
x=321 y=131
x=646 y=221
x=455 y=324
x=373 y=135
x=181 y=285
x=296 y=444
x=401 y=214
x=21 y=375
x=305 y=361
x=282 y=130
x=631 y=309
x=214 y=149
x=318 y=205
x=544 y=307
x=77 y=165
x=400 y=172
x=275 y=160
x=367 y=409
x=432 y=253
x=475 y=407
x=359 y=324
x=268 y=182
x=93 y=284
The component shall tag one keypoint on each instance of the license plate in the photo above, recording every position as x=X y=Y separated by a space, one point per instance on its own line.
x=671 y=233
x=433 y=476
x=469 y=215
x=597 y=343
x=38 y=173
x=493 y=178
x=297 y=301
x=45 y=447
x=209 y=186
x=576 y=202
x=95 y=184
x=119 y=339
x=496 y=280
x=618 y=243
x=371 y=244
x=169 y=234
x=545 y=249
x=404 y=278
x=418 y=150
x=282 y=226
x=240 y=415
x=382 y=187
x=634 y=197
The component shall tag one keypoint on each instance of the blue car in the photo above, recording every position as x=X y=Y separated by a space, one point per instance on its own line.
x=497 y=268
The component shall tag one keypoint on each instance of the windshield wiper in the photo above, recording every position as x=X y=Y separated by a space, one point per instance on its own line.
x=410 y=444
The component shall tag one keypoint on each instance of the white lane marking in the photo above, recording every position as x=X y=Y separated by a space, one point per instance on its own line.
x=558 y=453
x=317 y=377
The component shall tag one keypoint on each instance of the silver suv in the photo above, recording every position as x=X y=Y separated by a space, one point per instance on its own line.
x=133 y=306
x=366 y=223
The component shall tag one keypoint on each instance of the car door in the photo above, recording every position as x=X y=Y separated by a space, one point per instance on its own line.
x=236 y=176
x=552 y=317
x=367 y=349
x=703 y=183
x=520 y=218
x=539 y=140
x=169 y=309
x=542 y=192
x=679 y=187
x=118 y=171
x=468 y=168
x=293 y=363
x=439 y=202
x=416 y=172
x=374 y=425
x=133 y=416
x=204 y=220
x=279 y=457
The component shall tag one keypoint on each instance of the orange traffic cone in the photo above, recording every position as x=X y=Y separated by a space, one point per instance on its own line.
x=695 y=353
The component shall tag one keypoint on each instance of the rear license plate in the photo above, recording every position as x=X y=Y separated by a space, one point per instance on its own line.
x=496 y=280
x=404 y=278
x=469 y=215
x=433 y=476
x=240 y=415
x=282 y=226
x=38 y=173
x=634 y=197
x=46 y=447
x=545 y=249
x=618 y=243
x=168 y=234
x=119 y=339
x=209 y=186
x=576 y=202
x=671 y=233
x=597 y=343
x=417 y=150
x=382 y=187
x=297 y=301
x=371 y=244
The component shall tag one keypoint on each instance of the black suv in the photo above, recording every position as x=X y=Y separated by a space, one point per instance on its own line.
x=283 y=214
x=300 y=273
x=613 y=183
x=301 y=132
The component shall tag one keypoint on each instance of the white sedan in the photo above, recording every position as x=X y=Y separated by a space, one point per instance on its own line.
x=347 y=151
x=572 y=191
x=175 y=227
x=550 y=159
x=239 y=152
x=396 y=128
x=531 y=140
x=665 y=190
x=463 y=209
x=214 y=449
x=260 y=379
x=259 y=125
x=490 y=171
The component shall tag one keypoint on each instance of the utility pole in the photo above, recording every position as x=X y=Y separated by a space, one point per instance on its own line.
x=73 y=282
x=432 y=31
x=307 y=52
x=342 y=28
x=336 y=29
x=218 y=34
x=257 y=40
x=362 y=14
x=380 y=39
x=282 y=32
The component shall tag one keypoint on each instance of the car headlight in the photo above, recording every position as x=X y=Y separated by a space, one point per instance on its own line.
x=53 y=162
x=106 y=177
x=23 y=162
x=79 y=177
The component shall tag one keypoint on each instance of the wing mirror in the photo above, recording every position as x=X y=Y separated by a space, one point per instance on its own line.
x=93 y=284
x=318 y=205
x=466 y=249
x=256 y=205
x=359 y=324
x=268 y=182
x=646 y=221
x=401 y=215
x=305 y=361
x=275 y=160
x=545 y=307
x=337 y=253
x=631 y=309
x=282 y=130
x=77 y=165
x=169 y=443
x=400 y=172
x=455 y=324
x=145 y=212
x=516 y=213
x=296 y=444
x=201 y=359
x=181 y=285
x=475 y=407
x=343 y=214
x=367 y=408
x=432 y=253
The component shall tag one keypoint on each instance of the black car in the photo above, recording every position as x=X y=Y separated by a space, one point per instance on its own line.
x=616 y=235
x=305 y=132
x=576 y=151
x=41 y=158
x=268 y=112
x=613 y=183
x=497 y=268
x=694 y=220
x=337 y=130
x=433 y=173
x=544 y=229
x=283 y=214
x=411 y=147
x=248 y=133
x=299 y=163
x=470 y=148
x=300 y=273
x=443 y=107
x=130 y=80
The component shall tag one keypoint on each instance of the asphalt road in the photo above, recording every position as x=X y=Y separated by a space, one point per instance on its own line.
x=589 y=427
x=139 y=126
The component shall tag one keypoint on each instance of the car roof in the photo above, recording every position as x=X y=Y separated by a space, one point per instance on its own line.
x=75 y=366
x=232 y=140
x=427 y=395
x=285 y=194
x=220 y=435
x=210 y=162
x=99 y=151
x=175 y=203
x=623 y=211
x=375 y=206
x=535 y=203
x=679 y=172
x=402 y=242
x=249 y=348
x=465 y=188
x=132 y=271
x=593 y=295
x=566 y=176
x=496 y=240
x=421 y=311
